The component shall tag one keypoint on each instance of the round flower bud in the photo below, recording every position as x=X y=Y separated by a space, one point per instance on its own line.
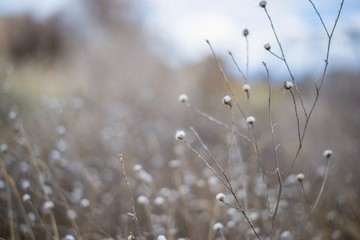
x=183 y=98
x=288 y=85
x=26 y=197
x=218 y=226
x=327 y=153
x=250 y=120
x=246 y=87
x=161 y=237
x=300 y=177
x=180 y=135
x=262 y=4
x=267 y=46
x=220 y=197
x=226 y=100
x=245 y=32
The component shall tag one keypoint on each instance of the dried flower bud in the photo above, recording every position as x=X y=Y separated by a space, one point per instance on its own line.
x=327 y=153
x=183 y=98
x=262 y=4
x=161 y=237
x=246 y=87
x=267 y=46
x=288 y=85
x=26 y=197
x=250 y=120
x=226 y=100
x=245 y=32
x=180 y=135
x=220 y=197
x=142 y=200
x=300 y=177
x=218 y=226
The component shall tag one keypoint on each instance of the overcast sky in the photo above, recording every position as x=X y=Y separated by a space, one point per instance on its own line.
x=178 y=29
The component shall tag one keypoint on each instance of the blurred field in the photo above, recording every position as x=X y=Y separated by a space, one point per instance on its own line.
x=73 y=97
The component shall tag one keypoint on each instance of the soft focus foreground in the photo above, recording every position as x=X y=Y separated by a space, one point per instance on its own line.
x=74 y=97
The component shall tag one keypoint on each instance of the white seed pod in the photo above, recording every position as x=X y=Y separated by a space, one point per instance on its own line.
x=161 y=237
x=267 y=46
x=3 y=148
x=262 y=4
x=131 y=237
x=180 y=135
x=300 y=177
x=218 y=226
x=246 y=87
x=226 y=100
x=84 y=203
x=142 y=200
x=71 y=214
x=183 y=98
x=327 y=153
x=69 y=237
x=26 y=197
x=220 y=197
x=288 y=85
x=46 y=207
x=250 y=120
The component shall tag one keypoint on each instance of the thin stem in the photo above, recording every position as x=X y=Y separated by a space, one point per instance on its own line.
x=313 y=208
x=226 y=80
x=275 y=155
x=131 y=197
x=216 y=121
x=283 y=58
x=237 y=66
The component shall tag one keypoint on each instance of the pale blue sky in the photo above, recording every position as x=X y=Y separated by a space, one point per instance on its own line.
x=178 y=29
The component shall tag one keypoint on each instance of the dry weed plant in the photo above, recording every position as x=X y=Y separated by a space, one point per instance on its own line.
x=303 y=115
x=246 y=186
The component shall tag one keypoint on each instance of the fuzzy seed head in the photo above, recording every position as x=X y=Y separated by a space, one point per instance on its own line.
x=267 y=46
x=142 y=200
x=246 y=87
x=327 y=153
x=262 y=4
x=180 y=135
x=218 y=226
x=220 y=197
x=250 y=120
x=245 y=32
x=26 y=197
x=300 y=177
x=226 y=100
x=183 y=98
x=46 y=207
x=161 y=237
x=288 y=85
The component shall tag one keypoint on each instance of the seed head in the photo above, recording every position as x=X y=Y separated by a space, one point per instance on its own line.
x=183 y=98
x=142 y=200
x=161 y=237
x=26 y=197
x=246 y=87
x=218 y=226
x=250 y=120
x=220 y=197
x=46 y=207
x=300 y=177
x=327 y=153
x=245 y=32
x=180 y=135
x=267 y=46
x=262 y=4
x=226 y=100
x=288 y=85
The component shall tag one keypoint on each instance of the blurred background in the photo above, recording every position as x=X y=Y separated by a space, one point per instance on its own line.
x=84 y=80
